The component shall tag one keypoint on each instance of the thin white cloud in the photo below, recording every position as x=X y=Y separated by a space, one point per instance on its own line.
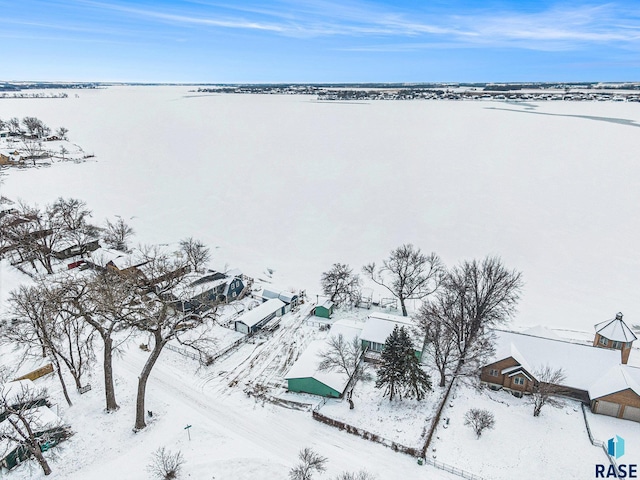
x=555 y=28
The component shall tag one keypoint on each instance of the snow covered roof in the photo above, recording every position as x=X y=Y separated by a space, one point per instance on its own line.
x=40 y=419
x=544 y=332
x=379 y=326
x=255 y=316
x=121 y=260
x=615 y=330
x=307 y=367
x=617 y=379
x=347 y=328
x=12 y=391
x=235 y=272
x=582 y=364
x=326 y=304
x=393 y=318
x=283 y=295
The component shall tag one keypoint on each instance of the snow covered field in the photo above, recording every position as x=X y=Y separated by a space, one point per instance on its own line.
x=295 y=185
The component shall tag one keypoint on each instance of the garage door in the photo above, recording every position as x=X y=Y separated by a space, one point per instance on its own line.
x=631 y=413
x=608 y=408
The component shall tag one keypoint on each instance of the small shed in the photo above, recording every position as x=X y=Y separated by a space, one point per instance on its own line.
x=325 y=310
x=254 y=320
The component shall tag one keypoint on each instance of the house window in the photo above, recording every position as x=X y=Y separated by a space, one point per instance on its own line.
x=518 y=381
x=617 y=344
x=604 y=341
x=493 y=372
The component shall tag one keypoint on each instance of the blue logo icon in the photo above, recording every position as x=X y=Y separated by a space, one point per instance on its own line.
x=615 y=447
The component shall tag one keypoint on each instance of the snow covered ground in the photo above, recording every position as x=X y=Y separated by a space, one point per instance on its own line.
x=405 y=422
x=293 y=184
x=233 y=436
x=553 y=445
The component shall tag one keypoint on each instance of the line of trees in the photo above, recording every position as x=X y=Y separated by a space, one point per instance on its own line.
x=460 y=305
x=60 y=316
x=32 y=127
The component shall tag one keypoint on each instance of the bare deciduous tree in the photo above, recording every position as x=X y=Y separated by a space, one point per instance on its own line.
x=107 y=302
x=344 y=356
x=408 y=274
x=547 y=385
x=37 y=233
x=62 y=132
x=13 y=124
x=118 y=234
x=487 y=294
x=361 y=475
x=341 y=285
x=165 y=465
x=310 y=462
x=433 y=321
x=165 y=275
x=33 y=149
x=34 y=328
x=36 y=127
x=63 y=152
x=480 y=420
x=196 y=253
x=23 y=424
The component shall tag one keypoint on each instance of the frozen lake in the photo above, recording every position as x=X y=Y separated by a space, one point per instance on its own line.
x=295 y=185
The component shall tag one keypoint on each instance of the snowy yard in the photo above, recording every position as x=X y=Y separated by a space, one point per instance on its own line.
x=405 y=422
x=232 y=436
x=554 y=445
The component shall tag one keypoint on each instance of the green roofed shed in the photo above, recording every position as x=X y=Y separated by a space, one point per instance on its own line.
x=324 y=310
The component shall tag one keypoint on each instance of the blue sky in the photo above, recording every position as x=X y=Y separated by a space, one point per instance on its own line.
x=319 y=40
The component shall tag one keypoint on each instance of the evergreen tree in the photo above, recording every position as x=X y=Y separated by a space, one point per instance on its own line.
x=416 y=382
x=400 y=369
x=391 y=370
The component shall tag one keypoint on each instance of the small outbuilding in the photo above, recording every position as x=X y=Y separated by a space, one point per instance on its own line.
x=324 y=310
x=253 y=320
x=290 y=299
x=305 y=377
